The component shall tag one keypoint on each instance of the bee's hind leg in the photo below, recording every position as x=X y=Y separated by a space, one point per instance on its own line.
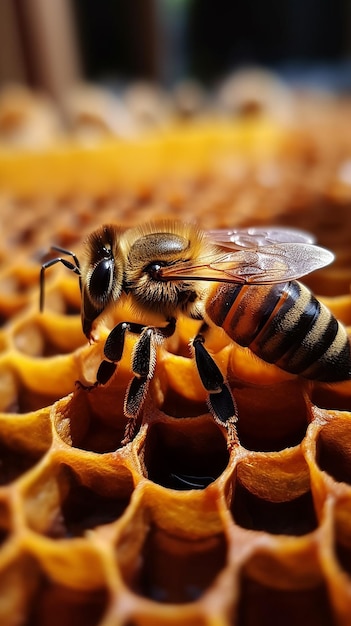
x=220 y=399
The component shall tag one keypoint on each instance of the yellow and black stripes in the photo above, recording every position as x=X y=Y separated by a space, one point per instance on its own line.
x=286 y=325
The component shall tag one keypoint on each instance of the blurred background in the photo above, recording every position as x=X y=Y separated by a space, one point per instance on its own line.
x=231 y=112
x=51 y=44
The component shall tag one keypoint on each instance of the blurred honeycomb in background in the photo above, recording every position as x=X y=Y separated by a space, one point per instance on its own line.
x=171 y=528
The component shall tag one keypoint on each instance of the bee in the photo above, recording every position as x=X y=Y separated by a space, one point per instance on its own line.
x=243 y=280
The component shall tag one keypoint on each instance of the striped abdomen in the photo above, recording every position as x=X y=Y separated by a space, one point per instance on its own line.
x=286 y=325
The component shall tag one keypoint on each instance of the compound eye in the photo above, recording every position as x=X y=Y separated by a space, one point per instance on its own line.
x=102 y=281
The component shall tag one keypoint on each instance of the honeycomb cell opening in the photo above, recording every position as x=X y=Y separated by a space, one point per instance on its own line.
x=63 y=296
x=293 y=517
x=18 y=281
x=174 y=570
x=85 y=423
x=15 y=463
x=10 y=307
x=4 y=317
x=332 y=397
x=9 y=390
x=175 y=405
x=84 y=508
x=333 y=448
x=272 y=417
x=18 y=583
x=54 y=605
x=71 y=298
x=22 y=449
x=72 y=504
x=29 y=339
x=261 y=605
x=61 y=292
x=189 y=453
x=28 y=400
x=26 y=235
x=43 y=336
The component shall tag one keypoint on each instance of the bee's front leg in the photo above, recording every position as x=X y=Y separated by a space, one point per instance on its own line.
x=113 y=349
x=220 y=399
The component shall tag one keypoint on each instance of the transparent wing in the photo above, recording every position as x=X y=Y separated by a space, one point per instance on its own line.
x=263 y=265
x=256 y=236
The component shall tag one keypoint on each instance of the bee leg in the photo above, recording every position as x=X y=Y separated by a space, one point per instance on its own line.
x=220 y=400
x=105 y=372
x=103 y=375
x=114 y=344
x=113 y=351
x=143 y=366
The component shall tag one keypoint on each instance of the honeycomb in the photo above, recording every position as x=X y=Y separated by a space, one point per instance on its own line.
x=172 y=527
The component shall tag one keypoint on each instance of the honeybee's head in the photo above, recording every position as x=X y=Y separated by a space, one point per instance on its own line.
x=102 y=273
x=151 y=247
x=129 y=262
